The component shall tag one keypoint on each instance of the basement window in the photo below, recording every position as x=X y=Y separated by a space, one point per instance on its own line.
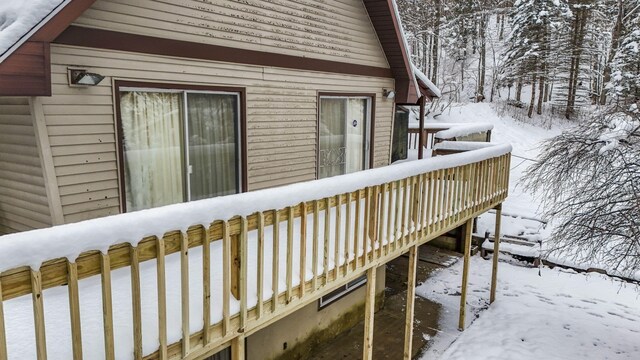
x=341 y=292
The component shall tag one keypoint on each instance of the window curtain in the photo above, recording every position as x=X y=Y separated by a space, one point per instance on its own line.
x=212 y=148
x=356 y=135
x=333 y=113
x=151 y=124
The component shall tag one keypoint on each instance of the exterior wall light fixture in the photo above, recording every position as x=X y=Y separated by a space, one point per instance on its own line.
x=80 y=77
x=388 y=93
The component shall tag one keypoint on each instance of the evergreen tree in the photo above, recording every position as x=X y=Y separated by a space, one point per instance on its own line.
x=624 y=86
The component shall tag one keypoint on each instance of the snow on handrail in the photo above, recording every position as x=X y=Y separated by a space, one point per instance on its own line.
x=32 y=248
x=463 y=130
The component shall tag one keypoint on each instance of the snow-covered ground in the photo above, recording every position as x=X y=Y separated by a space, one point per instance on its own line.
x=539 y=314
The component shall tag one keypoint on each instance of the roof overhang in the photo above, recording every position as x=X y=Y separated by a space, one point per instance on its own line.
x=386 y=21
x=25 y=69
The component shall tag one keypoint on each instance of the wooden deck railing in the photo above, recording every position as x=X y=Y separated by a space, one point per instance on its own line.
x=430 y=138
x=376 y=224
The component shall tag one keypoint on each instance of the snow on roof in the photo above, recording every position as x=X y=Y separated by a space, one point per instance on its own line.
x=21 y=18
x=421 y=77
x=31 y=248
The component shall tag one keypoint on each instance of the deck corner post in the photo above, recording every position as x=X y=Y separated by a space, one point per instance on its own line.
x=369 y=313
x=465 y=273
x=496 y=255
x=238 y=348
x=421 y=136
x=411 y=295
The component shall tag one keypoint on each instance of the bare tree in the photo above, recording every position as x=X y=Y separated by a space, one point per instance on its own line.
x=589 y=180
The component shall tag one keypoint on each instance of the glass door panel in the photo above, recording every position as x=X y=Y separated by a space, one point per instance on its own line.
x=356 y=135
x=152 y=132
x=333 y=113
x=343 y=135
x=212 y=138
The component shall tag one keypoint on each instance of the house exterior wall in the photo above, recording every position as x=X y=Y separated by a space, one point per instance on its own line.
x=328 y=29
x=281 y=112
x=23 y=197
x=305 y=329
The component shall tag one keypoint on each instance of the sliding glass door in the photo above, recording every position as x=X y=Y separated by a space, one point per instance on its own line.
x=179 y=146
x=344 y=135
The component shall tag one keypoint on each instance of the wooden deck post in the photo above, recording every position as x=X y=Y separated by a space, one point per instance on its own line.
x=369 y=309
x=237 y=348
x=411 y=295
x=3 y=335
x=496 y=254
x=465 y=272
x=421 y=135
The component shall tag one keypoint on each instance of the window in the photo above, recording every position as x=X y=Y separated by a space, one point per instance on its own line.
x=178 y=145
x=341 y=291
x=343 y=135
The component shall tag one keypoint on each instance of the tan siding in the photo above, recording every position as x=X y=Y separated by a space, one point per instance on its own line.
x=23 y=198
x=330 y=30
x=281 y=120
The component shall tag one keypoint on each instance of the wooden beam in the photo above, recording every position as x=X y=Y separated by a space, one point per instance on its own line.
x=421 y=136
x=107 y=308
x=38 y=314
x=74 y=311
x=411 y=295
x=496 y=255
x=465 y=272
x=162 y=299
x=237 y=348
x=136 y=303
x=206 y=286
x=3 y=334
x=369 y=309
x=184 y=292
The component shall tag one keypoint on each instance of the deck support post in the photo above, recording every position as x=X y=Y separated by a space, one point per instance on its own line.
x=237 y=348
x=421 y=137
x=369 y=309
x=411 y=296
x=465 y=272
x=496 y=254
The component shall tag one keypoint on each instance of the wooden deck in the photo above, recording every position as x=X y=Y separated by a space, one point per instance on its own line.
x=383 y=222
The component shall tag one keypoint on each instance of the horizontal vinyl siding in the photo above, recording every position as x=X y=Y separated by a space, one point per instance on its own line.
x=281 y=120
x=329 y=30
x=23 y=198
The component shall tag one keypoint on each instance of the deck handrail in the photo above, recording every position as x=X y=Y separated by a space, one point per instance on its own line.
x=377 y=223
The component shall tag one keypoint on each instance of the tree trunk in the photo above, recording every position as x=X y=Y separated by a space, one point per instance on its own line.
x=482 y=60
x=574 y=71
x=501 y=33
x=533 y=96
x=519 y=90
x=615 y=38
x=540 y=95
x=436 y=45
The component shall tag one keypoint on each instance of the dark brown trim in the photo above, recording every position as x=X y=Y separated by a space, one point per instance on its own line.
x=56 y=25
x=387 y=27
x=372 y=123
x=118 y=84
x=27 y=72
x=112 y=40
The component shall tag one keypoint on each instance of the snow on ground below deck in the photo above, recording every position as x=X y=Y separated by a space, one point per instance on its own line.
x=558 y=314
